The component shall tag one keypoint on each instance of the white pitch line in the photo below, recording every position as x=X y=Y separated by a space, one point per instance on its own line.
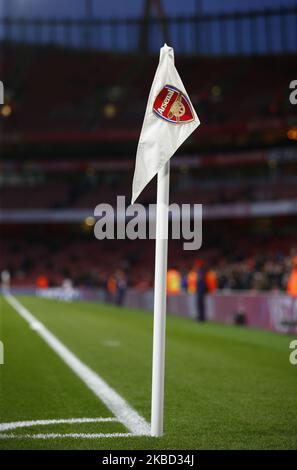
x=129 y=417
x=68 y=435
x=47 y=422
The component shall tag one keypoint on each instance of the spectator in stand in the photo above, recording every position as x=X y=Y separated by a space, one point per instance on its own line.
x=111 y=288
x=173 y=281
x=292 y=281
x=211 y=281
x=121 y=287
x=184 y=281
x=201 y=289
x=5 y=280
x=42 y=282
x=192 y=281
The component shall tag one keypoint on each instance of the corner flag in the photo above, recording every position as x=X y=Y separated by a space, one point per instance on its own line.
x=169 y=120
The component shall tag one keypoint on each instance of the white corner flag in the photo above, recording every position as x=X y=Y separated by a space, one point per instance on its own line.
x=169 y=120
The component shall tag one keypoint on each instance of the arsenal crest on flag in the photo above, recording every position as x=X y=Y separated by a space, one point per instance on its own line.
x=169 y=120
x=173 y=106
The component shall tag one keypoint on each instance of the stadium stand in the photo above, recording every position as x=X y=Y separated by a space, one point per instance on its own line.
x=81 y=98
x=70 y=145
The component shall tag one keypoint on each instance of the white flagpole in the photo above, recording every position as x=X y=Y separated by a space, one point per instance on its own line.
x=160 y=301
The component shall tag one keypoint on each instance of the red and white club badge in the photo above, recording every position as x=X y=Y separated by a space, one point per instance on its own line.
x=173 y=106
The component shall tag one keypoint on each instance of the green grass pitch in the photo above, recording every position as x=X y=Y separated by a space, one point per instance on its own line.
x=226 y=387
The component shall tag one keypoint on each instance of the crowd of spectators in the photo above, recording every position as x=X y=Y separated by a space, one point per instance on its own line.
x=257 y=272
x=260 y=273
